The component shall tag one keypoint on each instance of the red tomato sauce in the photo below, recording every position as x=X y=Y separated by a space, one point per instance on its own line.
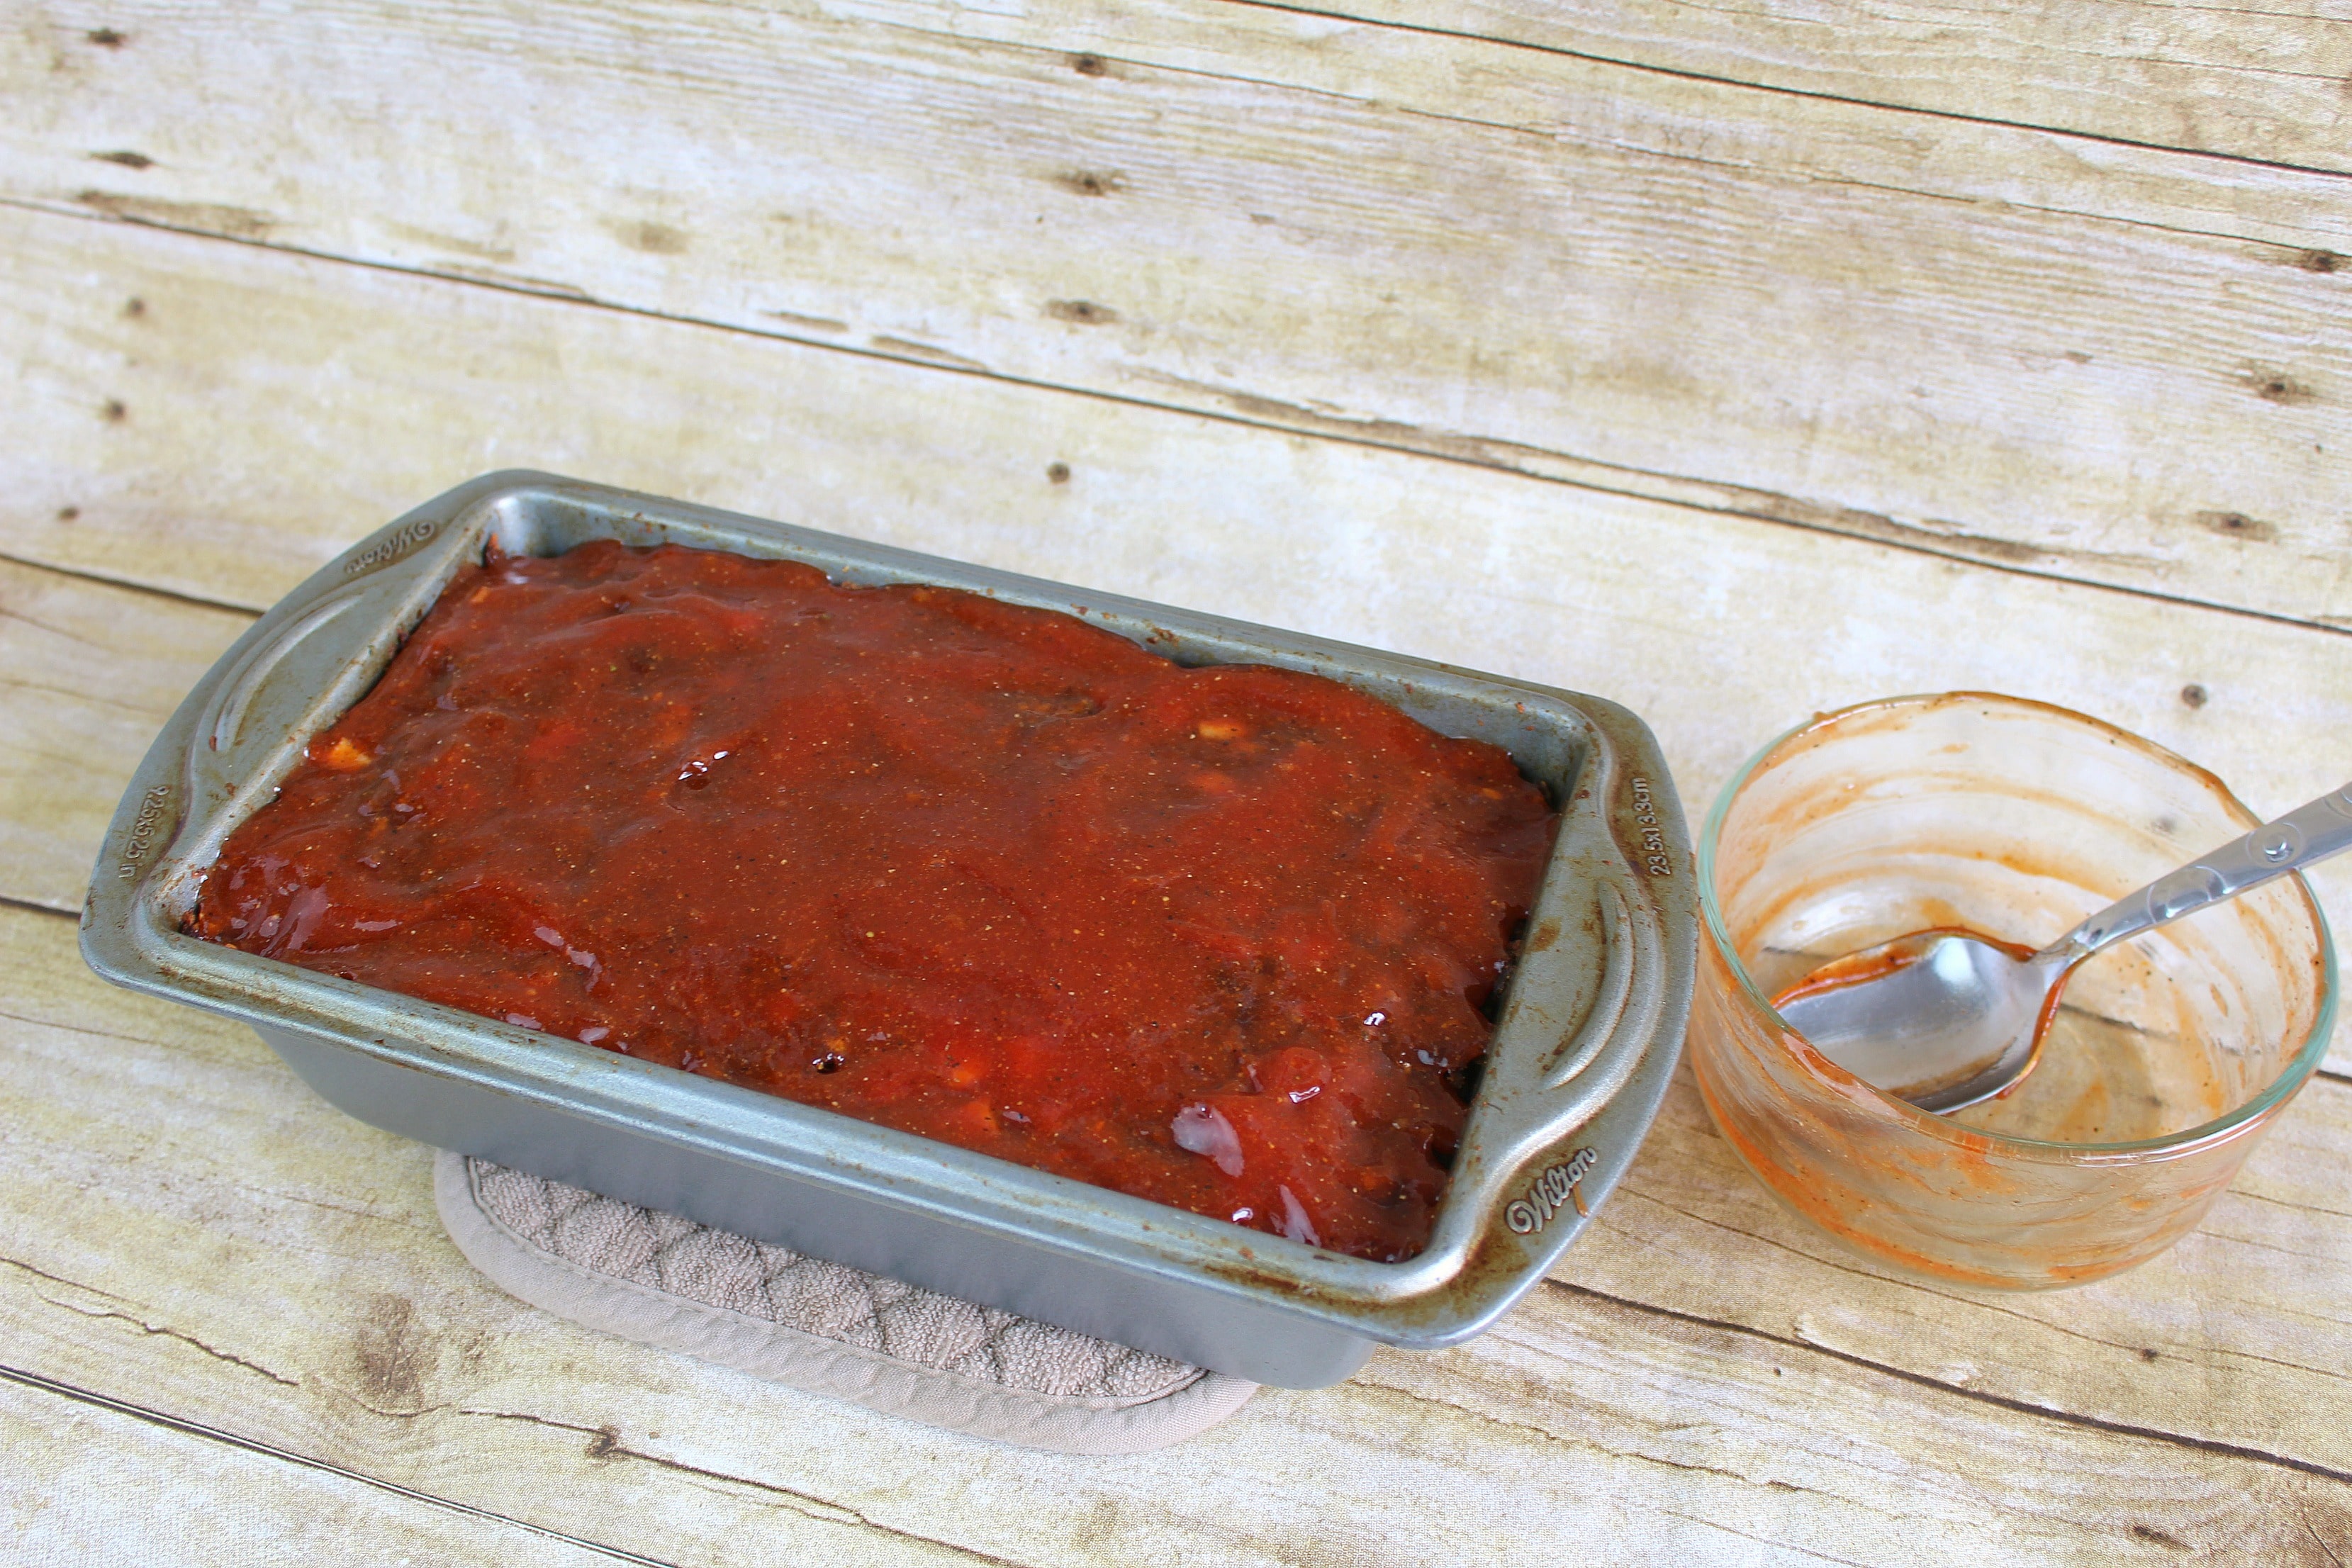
x=1217 y=937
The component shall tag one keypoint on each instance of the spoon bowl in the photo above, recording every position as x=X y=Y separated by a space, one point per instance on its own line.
x=1948 y=1018
x=1944 y=1019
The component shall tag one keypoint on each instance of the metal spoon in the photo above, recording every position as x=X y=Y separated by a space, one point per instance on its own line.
x=1947 y=1018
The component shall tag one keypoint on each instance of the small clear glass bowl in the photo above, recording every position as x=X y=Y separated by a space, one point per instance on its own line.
x=2169 y=1058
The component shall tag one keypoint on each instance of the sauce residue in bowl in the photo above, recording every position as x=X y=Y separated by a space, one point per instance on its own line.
x=2093 y=1078
x=1880 y=960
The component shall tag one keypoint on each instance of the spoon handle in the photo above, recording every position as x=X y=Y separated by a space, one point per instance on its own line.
x=2309 y=833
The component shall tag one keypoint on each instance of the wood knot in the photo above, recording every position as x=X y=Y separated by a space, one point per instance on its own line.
x=2238 y=525
x=1084 y=313
x=2276 y=387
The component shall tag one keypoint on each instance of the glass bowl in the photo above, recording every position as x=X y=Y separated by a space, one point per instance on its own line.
x=2169 y=1058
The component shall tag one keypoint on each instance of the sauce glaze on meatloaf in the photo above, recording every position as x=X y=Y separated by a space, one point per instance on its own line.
x=1218 y=936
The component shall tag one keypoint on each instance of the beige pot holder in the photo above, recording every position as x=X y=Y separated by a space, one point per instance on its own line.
x=778 y=1314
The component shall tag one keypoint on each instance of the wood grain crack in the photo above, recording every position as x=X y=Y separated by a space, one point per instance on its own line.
x=19 y=1263
x=1958 y=1391
x=2293 y=254
x=268 y=1196
x=58 y=632
x=1488 y=1418
x=2128 y=1349
x=1798 y=1252
x=2318 y=1539
x=2299 y=1208
x=1087 y=184
x=166 y=1331
x=70 y=1028
x=2238 y=11
x=2272 y=1360
x=162 y=1330
x=605 y=1443
x=1763 y=1540
x=33 y=1380
x=100 y=698
x=2321 y=1258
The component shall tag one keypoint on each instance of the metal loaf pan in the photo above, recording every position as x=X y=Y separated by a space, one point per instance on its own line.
x=1587 y=1038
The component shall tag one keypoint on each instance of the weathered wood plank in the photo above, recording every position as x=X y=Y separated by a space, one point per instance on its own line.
x=2242 y=1335
x=242 y=458
x=88 y=1484
x=1714 y=1401
x=311 y=1304
x=1705 y=1381
x=88 y=675
x=1578 y=98
x=2094 y=360
x=2260 y=82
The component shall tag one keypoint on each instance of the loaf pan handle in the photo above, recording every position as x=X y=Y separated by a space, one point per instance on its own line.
x=1575 y=1078
x=244 y=724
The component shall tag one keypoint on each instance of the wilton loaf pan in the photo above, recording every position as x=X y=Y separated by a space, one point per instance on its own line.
x=1587 y=1037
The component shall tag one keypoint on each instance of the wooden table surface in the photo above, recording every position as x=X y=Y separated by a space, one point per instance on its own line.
x=1731 y=362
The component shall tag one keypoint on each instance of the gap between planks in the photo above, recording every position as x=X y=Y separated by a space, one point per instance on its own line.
x=1999 y=1401
x=1895 y=536
x=9 y=901
x=1106 y=58
x=1684 y=74
x=1682 y=277
x=175 y=596
x=36 y=1382
x=1794 y=1346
